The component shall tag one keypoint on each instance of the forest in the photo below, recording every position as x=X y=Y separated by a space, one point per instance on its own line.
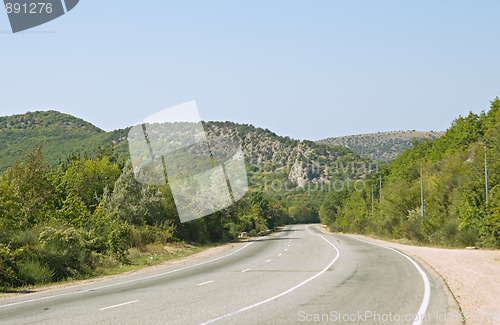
x=461 y=205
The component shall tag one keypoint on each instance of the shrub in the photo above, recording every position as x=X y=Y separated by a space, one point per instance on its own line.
x=33 y=271
x=65 y=251
x=7 y=274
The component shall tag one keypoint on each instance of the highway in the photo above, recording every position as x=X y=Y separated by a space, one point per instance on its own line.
x=300 y=275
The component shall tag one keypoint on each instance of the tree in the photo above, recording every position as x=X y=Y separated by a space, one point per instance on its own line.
x=133 y=202
x=88 y=178
x=31 y=187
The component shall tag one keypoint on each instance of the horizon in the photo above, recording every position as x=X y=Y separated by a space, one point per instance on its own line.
x=256 y=126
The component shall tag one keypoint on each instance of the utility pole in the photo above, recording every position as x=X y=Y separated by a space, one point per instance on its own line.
x=372 y=200
x=486 y=173
x=380 y=191
x=422 y=188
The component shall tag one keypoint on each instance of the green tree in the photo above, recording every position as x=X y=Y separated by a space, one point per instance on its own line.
x=88 y=178
x=31 y=187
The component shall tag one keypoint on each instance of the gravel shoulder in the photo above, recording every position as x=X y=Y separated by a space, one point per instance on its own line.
x=473 y=276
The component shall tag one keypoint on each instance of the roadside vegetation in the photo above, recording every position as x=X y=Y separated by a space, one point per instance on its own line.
x=457 y=211
x=88 y=216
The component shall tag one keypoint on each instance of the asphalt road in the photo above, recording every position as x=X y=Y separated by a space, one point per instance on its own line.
x=298 y=276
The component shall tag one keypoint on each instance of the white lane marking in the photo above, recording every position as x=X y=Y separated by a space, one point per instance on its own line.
x=203 y=283
x=279 y=254
x=286 y=249
x=427 y=288
x=245 y=270
x=129 y=281
x=284 y=292
x=123 y=304
x=268 y=261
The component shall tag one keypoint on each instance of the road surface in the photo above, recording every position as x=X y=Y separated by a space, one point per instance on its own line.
x=297 y=276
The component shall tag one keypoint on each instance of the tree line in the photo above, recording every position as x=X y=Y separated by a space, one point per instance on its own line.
x=87 y=213
x=457 y=210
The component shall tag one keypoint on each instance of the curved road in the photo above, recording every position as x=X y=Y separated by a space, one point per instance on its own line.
x=300 y=275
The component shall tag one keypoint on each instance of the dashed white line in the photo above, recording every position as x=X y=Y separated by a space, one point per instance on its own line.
x=245 y=270
x=203 y=283
x=268 y=261
x=129 y=281
x=283 y=293
x=119 y=305
x=286 y=249
x=279 y=254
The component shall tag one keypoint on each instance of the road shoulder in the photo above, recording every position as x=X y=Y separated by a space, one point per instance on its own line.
x=472 y=277
x=165 y=265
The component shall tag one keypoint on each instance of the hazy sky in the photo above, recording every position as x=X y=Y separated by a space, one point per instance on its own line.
x=306 y=69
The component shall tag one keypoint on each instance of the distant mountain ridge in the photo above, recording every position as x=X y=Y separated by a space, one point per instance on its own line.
x=295 y=161
x=381 y=146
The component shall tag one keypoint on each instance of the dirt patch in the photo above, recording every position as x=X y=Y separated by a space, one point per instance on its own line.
x=473 y=277
x=181 y=260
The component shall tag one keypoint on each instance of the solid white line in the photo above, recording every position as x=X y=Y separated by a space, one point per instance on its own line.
x=123 y=304
x=203 y=283
x=268 y=261
x=427 y=288
x=245 y=270
x=129 y=281
x=283 y=293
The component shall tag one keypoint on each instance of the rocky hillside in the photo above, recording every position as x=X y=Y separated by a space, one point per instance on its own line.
x=270 y=158
x=302 y=162
x=382 y=146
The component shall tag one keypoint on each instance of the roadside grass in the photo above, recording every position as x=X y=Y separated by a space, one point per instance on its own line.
x=149 y=255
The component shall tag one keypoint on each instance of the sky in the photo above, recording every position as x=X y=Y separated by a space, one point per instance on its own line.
x=304 y=69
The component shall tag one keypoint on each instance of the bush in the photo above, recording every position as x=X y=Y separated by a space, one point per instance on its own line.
x=7 y=274
x=65 y=251
x=119 y=240
x=33 y=271
x=467 y=237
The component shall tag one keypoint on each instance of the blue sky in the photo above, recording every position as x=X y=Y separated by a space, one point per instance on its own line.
x=306 y=69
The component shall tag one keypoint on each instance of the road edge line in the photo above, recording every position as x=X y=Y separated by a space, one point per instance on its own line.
x=427 y=287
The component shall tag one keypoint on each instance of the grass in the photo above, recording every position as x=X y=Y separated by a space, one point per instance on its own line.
x=150 y=255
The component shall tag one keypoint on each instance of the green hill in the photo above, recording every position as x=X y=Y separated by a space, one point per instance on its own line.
x=460 y=208
x=270 y=157
x=60 y=134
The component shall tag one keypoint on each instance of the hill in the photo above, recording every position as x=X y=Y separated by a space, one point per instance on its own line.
x=61 y=134
x=460 y=208
x=270 y=157
x=381 y=146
